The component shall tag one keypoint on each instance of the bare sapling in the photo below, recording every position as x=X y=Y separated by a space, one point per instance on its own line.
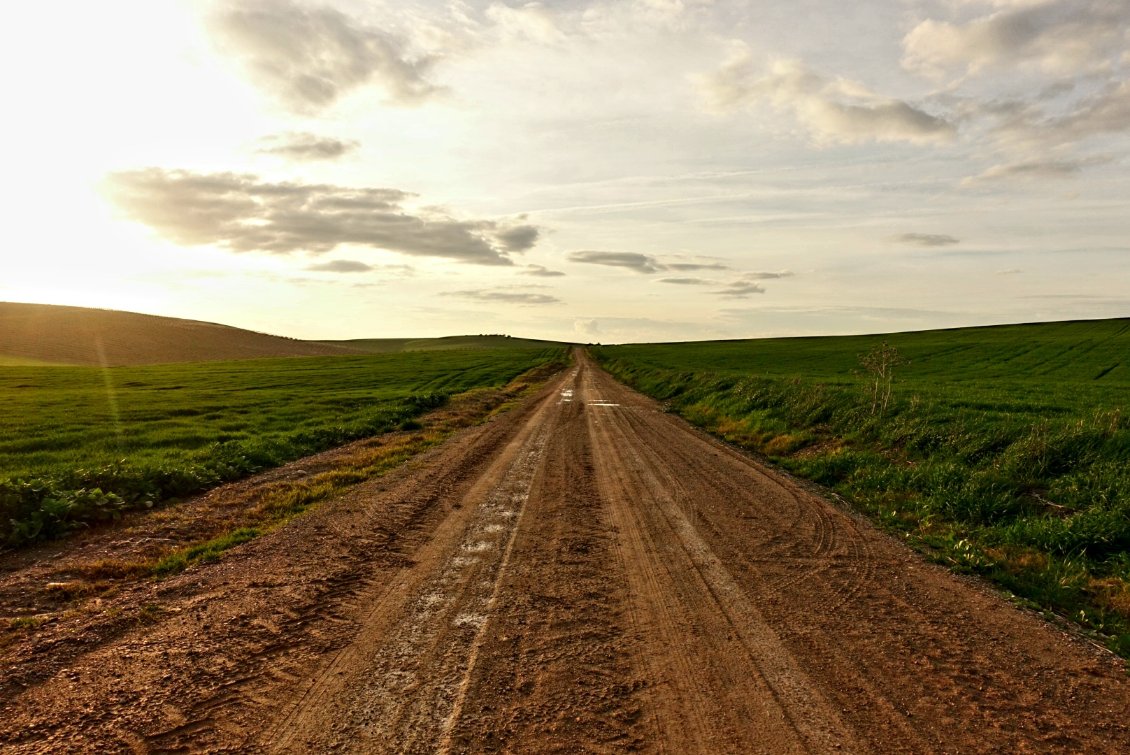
x=880 y=363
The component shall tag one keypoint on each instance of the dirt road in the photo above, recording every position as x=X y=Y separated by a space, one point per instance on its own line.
x=582 y=574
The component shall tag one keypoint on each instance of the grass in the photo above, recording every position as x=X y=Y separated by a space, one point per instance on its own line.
x=1003 y=451
x=241 y=515
x=83 y=444
x=208 y=550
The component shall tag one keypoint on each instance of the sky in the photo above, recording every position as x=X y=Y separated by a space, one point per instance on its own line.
x=593 y=170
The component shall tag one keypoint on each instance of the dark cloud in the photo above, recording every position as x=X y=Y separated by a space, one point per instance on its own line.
x=764 y=276
x=242 y=213
x=306 y=147
x=508 y=297
x=640 y=263
x=740 y=290
x=686 y=281
x=518 y=238
x=925 y=239
x=340 y=266
x=541 y=271
x=308 y=57
x=692 y=266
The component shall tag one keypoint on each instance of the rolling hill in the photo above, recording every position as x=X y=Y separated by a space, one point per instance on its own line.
x=44 y=333
x=447 y=343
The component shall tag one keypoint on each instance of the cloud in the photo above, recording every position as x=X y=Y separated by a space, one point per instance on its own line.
x=340 y=266
x=531 y=21
x=640 y=263
x=242 y=213
x=691 y=266
x=1035 y=169
x=519 y=238
x=925 y=239
x=306 y=147
x=508 y=297
x=541 y=271
x=1064 y=59
x=747 y=284
x=309 y=57
x=686 y=281
x=762 y=276
x=1061 y=36
x=740 y=290
x=832 y=110
x=1104 y=111
x=587 y=327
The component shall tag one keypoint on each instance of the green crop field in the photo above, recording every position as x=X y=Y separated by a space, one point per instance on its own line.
x=1003 y=451
x=83 y=443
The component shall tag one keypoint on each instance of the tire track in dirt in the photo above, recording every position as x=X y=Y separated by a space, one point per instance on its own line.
x=554 y=673
x=769 y=704
x=400 y=686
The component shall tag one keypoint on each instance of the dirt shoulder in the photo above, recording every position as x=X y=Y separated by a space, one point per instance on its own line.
x=582 y=573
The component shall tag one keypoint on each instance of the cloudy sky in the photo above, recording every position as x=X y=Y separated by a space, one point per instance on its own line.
x=601 y=170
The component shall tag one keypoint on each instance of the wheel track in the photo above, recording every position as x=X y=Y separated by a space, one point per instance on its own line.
x=850 y=552
x=799 y=719
x=425 y=634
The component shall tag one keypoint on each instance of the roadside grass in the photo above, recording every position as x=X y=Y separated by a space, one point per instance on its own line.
x=1003 y=452
x=257 y=509
x=80 y=445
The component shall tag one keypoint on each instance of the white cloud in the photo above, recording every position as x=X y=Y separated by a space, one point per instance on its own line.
x=831 y=109
x=587 y=327
x=1035 y=170
x=505 y=297
x=532 y=21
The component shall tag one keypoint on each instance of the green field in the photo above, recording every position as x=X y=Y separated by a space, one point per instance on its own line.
x=80 y=444
x=1003 y=450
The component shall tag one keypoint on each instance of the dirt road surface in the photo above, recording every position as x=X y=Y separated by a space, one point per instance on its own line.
x=584 y=573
